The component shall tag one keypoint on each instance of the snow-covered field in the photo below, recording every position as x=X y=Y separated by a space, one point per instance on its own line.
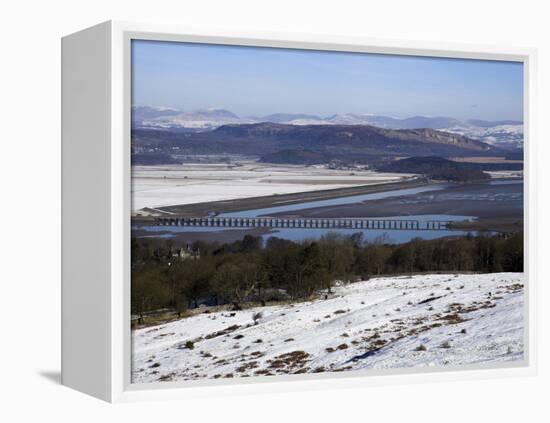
x=396 y=322
x=189 y=183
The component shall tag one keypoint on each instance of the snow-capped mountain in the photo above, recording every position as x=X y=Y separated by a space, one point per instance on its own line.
x=508 y=136
x=288 y=117
x=200 y=120
x=388 y=122
x=506 y=133
x=141 y=113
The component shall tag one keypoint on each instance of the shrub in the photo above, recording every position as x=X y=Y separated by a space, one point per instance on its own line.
x=189 y=345
x=421 y=347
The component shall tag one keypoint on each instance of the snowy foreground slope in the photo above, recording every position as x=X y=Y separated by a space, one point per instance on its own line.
x=428 y=320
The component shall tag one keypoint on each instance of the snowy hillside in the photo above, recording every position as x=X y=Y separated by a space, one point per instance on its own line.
x=428 y=320
x=208 y=119
x=501 y=133
x=510 y=136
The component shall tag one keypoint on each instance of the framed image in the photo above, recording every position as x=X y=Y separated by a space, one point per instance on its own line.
x=275 y=212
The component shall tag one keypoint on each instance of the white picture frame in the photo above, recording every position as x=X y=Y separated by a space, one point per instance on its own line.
x=96 y=211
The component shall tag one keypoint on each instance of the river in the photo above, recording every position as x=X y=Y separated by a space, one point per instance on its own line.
x=447 y=202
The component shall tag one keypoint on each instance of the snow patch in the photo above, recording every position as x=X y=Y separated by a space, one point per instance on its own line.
x=389 y=322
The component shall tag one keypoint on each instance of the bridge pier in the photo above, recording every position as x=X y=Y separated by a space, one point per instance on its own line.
x=309 y=223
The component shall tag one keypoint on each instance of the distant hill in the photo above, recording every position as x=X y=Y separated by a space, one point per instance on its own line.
x=143 y=113
x=493 y=123
x=502 y=133
x=287 y=117
x=387 y=122
x=176 y=120
x=345 y=142
x=437 y=168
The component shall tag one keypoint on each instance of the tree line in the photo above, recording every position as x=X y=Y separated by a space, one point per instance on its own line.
x=251 y=270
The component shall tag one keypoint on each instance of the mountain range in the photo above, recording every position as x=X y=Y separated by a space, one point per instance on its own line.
x=507 y=134
x=311 y=144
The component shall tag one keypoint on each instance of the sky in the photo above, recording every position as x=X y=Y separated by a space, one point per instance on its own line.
x=257 y=81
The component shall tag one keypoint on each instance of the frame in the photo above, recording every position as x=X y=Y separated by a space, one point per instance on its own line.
x=96 y=108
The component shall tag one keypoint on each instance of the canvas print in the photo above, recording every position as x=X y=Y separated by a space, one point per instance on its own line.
x=310 y=212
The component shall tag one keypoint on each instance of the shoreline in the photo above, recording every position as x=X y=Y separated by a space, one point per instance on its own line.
x=243 y=204
x=504 y=218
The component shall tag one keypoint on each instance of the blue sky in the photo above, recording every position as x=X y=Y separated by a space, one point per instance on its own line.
x=252 y=81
